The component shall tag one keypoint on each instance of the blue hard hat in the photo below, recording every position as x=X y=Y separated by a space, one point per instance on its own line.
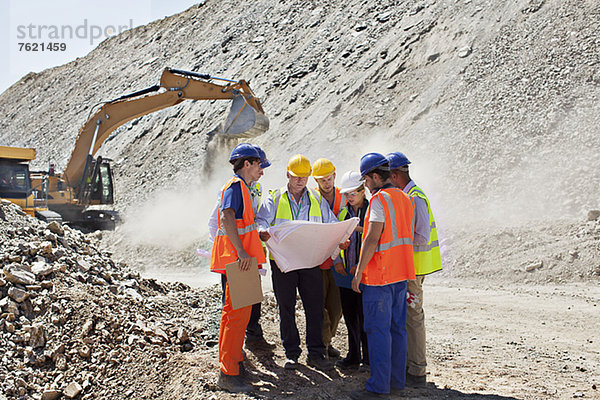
x=264 y=161
x=243 y=150
x=397 y=160
x=370 y=161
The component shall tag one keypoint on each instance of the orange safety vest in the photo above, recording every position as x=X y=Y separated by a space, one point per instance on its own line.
x=393 y=259
x=223 y=252
x=339 y=202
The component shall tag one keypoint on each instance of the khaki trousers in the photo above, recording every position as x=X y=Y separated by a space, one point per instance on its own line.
x=415 y=330
x=333 y=307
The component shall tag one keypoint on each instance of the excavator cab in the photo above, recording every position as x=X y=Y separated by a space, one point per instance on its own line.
x=102 y=186
x=96 y=185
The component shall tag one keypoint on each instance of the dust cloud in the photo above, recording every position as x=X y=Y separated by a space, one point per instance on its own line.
x=528 y=182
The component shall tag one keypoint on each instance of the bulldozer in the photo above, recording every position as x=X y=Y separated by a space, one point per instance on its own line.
x=87 y=180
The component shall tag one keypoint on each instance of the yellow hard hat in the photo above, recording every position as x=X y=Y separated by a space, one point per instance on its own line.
x=322 y=168
x=299 y=166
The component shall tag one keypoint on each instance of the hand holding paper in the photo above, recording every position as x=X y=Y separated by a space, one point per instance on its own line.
x=301 y=244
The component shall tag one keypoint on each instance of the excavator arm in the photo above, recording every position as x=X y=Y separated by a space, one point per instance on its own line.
x=246 y=117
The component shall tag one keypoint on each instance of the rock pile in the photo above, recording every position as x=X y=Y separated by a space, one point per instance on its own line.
x=75 y=324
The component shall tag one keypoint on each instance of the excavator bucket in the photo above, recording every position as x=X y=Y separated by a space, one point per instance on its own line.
x=244 y=121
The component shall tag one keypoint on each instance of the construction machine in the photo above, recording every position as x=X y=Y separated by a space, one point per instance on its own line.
x=17 y=187
x=88 y=181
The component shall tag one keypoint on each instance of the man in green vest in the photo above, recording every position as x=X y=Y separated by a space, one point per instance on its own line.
x=427 y=259
x=296 y=202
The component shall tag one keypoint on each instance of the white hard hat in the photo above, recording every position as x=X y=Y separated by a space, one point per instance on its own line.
x=351 y=181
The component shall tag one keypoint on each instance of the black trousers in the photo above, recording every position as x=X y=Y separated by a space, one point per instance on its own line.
x=309 y=284
x=253 y=330
x=352 y=309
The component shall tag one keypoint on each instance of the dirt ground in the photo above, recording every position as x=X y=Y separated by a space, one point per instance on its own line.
x=485 y=341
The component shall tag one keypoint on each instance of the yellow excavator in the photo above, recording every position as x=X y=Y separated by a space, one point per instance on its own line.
x=16 y=185
x=88 y=181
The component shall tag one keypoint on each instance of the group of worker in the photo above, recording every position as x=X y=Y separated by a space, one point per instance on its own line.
x=379 y=272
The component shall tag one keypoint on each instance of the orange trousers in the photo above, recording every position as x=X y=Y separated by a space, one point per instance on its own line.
x=231 y=335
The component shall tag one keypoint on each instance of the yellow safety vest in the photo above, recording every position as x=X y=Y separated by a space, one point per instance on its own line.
x=258 y=188
x=427 y=257
x=284 y=208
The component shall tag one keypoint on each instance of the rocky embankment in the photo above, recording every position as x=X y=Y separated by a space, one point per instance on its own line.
x=555 y=253
x=75 y=324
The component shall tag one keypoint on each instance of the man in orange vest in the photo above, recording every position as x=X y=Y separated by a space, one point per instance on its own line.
x=236 y=240
x=385 y=265
x=324 y=174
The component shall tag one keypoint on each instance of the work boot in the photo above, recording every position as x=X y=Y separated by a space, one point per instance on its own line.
x=291 y=363
x=416 y=381
x=397 y=392
x=366 y=395
x=319 y=362
x=346 y=364
x=233 y=383
x=259 y=343
x=332 y=352
x=243 y=372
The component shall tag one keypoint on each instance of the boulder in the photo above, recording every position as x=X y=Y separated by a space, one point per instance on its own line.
x=56 y=228
x=88 y=327
x=83 y=265
x=18 y=275
x=182 y=336
x=41 y=268
x=593 y=215
x=72 y=390
x=37 y=336
x=133 y=294
x=51 y=394
x=536 y=265
x=61 y=362
x=18 y=295
x=84 y=351
x=45 y=248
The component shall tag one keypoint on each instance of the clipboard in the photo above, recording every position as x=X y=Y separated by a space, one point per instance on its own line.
x=244 y=286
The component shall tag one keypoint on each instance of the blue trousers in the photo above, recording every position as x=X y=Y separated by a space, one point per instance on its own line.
x=384 y=310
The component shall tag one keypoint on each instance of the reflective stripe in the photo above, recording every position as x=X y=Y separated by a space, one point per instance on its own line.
x=259 y=188
x=278 y=221
x=426 y=247
x=394 y=243
x=432 y=226
x=413 y=190
x=241 y=231
x=390 y=205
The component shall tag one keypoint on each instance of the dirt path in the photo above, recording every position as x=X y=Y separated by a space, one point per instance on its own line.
x=525 y=342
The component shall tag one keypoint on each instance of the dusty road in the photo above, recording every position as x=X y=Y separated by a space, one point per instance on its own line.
x=485 y=342
x=526 y=342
